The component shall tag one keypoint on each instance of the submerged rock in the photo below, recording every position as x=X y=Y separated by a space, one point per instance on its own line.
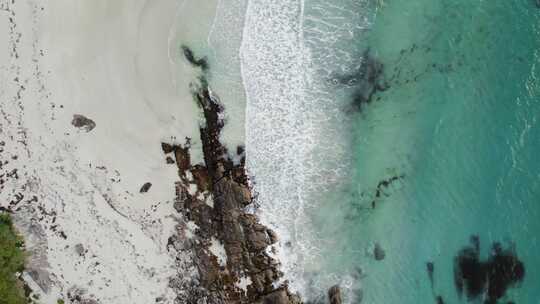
x=190 y=57
x=430 y=270
x=378 y=252
x=488 y=279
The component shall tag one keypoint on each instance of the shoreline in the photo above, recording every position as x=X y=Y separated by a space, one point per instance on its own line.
x=91 y=233
x=229 y=245
x=225 y=241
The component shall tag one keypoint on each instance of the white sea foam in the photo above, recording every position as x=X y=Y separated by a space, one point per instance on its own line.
x=296 y=142
x=276 y=140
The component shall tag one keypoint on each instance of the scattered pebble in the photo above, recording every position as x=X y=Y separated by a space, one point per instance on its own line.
x=145 y=187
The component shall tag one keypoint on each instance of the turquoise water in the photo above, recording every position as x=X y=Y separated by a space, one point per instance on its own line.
x=459 y=129
x=368 y=194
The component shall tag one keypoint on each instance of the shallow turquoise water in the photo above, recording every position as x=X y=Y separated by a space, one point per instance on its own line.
x=459 y=123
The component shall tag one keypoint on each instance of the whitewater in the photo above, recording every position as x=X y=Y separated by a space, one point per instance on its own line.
x=296 y=125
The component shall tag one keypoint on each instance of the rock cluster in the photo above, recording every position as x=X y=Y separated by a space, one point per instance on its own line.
x=229 y=245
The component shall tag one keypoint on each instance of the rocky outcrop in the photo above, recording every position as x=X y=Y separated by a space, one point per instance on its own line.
x=228 y=244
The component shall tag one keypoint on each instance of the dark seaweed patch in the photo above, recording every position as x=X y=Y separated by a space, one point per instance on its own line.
x=365 y=81
x=383 y=185
x=490 y=278
x=368 y=80
x=430 y=269
x=190 y=57
x=439 y=300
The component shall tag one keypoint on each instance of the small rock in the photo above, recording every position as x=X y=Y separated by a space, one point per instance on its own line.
x=190 y=57
x=277 y=297
x=240 y=150
x=378 y=252
x=183 y=159
x=334 y=295
x=83 y=122
x=145 y=187
x=167 y=148
x=258 y=239
x=273 y=236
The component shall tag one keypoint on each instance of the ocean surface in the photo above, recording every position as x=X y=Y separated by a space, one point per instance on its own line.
x=389 y=140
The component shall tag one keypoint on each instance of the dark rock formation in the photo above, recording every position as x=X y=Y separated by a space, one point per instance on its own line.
x=334 y=295
x=489 y=279
x=83 y=122
x=247 y=274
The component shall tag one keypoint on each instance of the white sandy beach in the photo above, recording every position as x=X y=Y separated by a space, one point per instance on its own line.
x=89 y=230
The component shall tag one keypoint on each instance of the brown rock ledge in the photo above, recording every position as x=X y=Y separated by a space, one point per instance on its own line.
x=214 y=197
